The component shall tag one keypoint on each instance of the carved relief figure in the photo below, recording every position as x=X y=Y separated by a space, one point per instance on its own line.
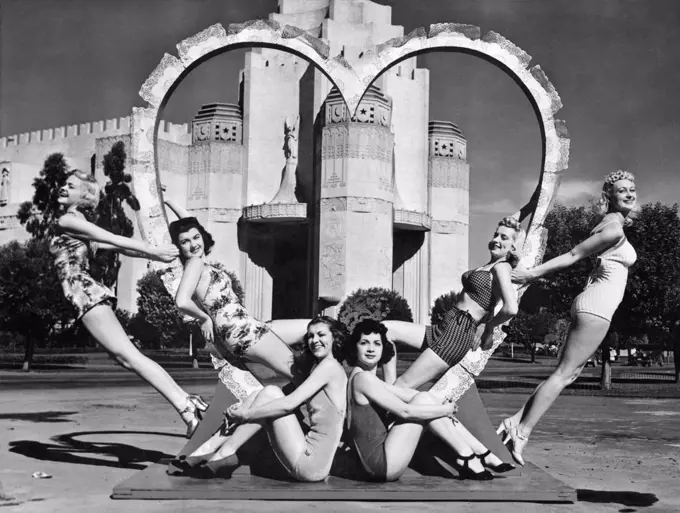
x=4 y=187
x=290 y=147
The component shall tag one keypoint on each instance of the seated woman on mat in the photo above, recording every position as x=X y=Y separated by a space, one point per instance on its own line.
x=205 y=293
x=446 y=344
x=385 y=422
x=306 y=457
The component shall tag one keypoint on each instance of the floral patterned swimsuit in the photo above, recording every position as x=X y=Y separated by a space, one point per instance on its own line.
x=235 y=330
x=72 y=261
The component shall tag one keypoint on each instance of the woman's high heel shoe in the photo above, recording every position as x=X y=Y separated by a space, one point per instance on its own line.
x=516 y=441
x=186 y=462
x=222 y=468
x=182 y=465
x=466 y=472
x=191 y=415
x=503 y=467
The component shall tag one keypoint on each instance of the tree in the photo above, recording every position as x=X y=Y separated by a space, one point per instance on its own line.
x=158 y=322
x=38 y=215
x=111 y=212
x=530 y=329
x=32 y=302
x=567 y=227
x=610 y=340
x=652 y=299
x=443 y=304
x=675 y=335
x=373 y=303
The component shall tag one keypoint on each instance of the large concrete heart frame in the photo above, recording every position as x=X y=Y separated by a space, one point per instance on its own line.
x=352 y=79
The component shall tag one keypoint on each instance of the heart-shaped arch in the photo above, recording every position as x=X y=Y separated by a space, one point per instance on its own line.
x=352 y=80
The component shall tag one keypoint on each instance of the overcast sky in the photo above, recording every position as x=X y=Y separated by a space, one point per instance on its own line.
x=615 y=63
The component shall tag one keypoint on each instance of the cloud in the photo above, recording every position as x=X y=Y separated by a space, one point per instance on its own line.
x=572 y=191
x=501 y=206
x=578 y=192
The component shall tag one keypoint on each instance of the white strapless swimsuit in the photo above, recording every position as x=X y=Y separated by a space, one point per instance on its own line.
x=607 y=281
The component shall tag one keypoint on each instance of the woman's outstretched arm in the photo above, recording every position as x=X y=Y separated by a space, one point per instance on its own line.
x=386 y=397
x=319 y=378
x=80 y=228
x=607 y=237
x=179 y=211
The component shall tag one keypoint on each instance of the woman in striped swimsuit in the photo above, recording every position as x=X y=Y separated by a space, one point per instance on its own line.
x=592 y=310
x=447 y=343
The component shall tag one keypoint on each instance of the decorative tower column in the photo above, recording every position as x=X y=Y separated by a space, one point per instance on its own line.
x=215 y=186
x=449 y=198
x=355 y=211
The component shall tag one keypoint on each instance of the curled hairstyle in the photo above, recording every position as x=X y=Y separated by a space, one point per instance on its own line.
x=305 y=360
x=515 y=254
x=185 y=224
x=368 y=327
x=604 y=204
x=90 y=193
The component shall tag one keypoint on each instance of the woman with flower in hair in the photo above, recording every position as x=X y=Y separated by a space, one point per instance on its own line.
x=445 y=344
x=77 y=239
x=592 y=310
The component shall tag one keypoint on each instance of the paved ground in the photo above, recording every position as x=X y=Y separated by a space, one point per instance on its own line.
x=622 y=455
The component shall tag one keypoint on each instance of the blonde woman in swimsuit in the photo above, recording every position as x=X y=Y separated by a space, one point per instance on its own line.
x=445 y=344
x=592 y=310
x=76 y=241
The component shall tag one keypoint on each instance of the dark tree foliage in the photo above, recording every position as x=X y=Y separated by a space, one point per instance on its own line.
x=111 y=212
x=158 y=323
x=32 y=302
x=443 y=304
x=373 y=303
x=38 y=216
x=530 y=328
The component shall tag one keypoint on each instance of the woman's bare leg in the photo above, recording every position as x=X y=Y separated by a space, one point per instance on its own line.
x=428 y=366
x=273 y=353
x=453 y=436
x=402 y=440
x=291 y=331
x=103 y=325
x=585 y=335
x=285 y=433
x=216 y=441
x=461 y=433
x=406 y=333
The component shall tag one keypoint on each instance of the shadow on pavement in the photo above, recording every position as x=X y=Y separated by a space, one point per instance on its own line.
x=67 y=449
x=39 y=416
x=624 y=498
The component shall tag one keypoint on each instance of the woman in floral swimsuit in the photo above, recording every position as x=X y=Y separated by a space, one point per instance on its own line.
x=75 y=242
x=205 y=293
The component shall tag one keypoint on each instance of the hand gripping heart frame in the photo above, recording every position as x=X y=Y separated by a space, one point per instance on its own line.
x=352 y=79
